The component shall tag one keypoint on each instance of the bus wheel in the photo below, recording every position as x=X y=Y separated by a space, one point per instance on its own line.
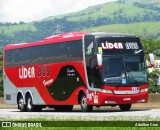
x=125 y=107
x=21 y=105
x=30 y=106
x=83 y=104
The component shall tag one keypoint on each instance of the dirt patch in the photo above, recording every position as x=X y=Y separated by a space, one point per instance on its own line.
x=6 y=106
x=1 y=100
x=153 y=102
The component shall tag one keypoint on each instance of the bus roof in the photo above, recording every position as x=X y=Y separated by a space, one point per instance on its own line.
x=65 y=37
x=104 y=34
x=49 y=40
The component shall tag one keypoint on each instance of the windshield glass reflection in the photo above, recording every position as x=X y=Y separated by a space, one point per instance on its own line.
x=123 y=69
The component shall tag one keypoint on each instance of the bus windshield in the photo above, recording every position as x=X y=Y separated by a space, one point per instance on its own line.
x=124 y=69
x=135 y=69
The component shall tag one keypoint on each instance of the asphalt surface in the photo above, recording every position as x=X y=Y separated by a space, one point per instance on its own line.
x=135 y=114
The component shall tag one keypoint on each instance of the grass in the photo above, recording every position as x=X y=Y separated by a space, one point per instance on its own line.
x=107 y=10
x=86 y=124
x=10 y=30
x=90 y=128
x=41 y=125
x=142 y=1
x=141 y=29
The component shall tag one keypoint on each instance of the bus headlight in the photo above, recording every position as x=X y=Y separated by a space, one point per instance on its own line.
x=144 y=90
x=107 y=91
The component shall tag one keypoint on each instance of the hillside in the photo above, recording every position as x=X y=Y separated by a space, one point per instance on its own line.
x=142 y=29
x=125 y=8
x=140 y=17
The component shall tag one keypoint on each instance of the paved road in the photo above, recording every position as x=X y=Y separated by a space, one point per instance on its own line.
x=134 y=114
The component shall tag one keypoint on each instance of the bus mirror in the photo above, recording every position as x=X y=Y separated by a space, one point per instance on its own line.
x=99 y=60
x=151 y=59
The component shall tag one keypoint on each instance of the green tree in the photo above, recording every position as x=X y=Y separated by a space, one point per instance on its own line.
x=152 y=81
x=150 y=45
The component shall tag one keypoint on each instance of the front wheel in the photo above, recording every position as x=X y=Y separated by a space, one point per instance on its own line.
x=125 y=107
x=83 y=104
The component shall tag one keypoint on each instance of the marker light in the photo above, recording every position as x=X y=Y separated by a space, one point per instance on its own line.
x=144 y=90
x=107 y=91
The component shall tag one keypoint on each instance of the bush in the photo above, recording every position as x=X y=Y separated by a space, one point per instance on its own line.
x=1 y=90
x=153 y=89
x=152 y=81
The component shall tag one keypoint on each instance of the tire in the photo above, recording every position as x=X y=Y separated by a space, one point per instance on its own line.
x=83 y=104
x=125 y=107
x=30 y=106
x=63 y=108
x=21 y=106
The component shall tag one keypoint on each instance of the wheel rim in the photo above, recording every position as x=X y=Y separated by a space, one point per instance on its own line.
x=21 y=103
x=84 y=102
x=29 y=103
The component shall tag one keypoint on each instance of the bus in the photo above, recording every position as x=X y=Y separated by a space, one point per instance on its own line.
x=77 y=68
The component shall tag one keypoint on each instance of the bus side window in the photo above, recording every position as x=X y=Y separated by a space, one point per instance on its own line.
x=25 y=56
x=91 y=63
x=61 y=52
x=37 y=54
x=9 y=58
x=16 y=57
x=89 y=50
x=75 y=50
x=49 y=53
x=56 y=53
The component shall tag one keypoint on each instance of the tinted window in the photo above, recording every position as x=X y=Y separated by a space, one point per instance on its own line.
x=9 y=58
x=56 y=53
x=51 y=53
x=37 y=54
x=89 y=46
x=16 y=57
x=75 y=50
x=89 y=51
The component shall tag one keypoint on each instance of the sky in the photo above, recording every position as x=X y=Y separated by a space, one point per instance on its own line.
x=33 y=10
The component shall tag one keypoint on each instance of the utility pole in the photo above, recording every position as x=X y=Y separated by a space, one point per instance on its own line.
x=58 y=29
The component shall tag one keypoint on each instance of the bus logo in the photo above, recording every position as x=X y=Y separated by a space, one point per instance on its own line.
x=131 y=45
x=108 y=45
x=48 y=82
x=26 y=72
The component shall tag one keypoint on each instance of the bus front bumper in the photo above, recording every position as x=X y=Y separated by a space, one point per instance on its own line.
x=99 y=98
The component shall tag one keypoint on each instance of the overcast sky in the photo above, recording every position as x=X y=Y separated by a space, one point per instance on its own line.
x=32 y=10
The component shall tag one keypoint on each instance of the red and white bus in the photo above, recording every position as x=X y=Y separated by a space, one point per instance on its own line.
x=97 y=69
